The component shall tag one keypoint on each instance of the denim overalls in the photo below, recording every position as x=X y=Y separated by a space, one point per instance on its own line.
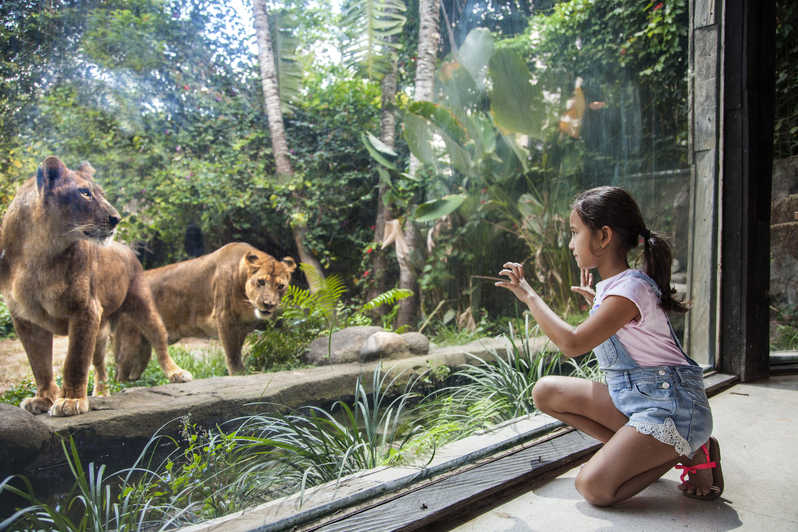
x=667 y=402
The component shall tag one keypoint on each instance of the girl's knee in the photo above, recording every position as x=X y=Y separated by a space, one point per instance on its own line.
x=543 y=392
x=592 y=489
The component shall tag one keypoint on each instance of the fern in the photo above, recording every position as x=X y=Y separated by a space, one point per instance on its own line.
x=297 y=297
x=388 y=298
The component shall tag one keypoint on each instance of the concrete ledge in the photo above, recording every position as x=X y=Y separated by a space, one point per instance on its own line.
x=118 y=427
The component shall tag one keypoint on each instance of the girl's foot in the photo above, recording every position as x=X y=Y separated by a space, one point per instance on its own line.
x=706 y=478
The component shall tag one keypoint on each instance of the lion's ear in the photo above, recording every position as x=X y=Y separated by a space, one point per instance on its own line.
x=50 y=171
x=289 y=264
x=252 y=262
x=86 y=168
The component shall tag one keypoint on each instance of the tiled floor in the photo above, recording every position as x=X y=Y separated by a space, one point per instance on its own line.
x=757 y=426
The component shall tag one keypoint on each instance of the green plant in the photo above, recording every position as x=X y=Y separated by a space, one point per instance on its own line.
x=586 y=367
x=202 y=365
x=16 y=393
x=6 y=325
x=314 y=445
x=786 y=338
x=303 y=306
x=94 y=505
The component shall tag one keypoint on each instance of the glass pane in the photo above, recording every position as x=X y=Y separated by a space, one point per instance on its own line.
x=784 y=214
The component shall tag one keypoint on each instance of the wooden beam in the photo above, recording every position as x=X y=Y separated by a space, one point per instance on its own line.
x=417 y=508
x=747 y=159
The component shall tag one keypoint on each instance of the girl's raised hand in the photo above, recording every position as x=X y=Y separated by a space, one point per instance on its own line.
x=515 y=282
x=585 y=288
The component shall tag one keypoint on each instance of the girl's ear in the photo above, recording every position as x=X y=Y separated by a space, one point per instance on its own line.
x=605 y=236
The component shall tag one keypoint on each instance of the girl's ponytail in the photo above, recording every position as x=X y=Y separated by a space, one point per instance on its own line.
x=657 y=265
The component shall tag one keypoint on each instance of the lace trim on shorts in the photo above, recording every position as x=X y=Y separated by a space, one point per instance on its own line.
x=666 y=433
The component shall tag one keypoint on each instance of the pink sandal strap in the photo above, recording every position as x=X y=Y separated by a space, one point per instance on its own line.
x=694 y=468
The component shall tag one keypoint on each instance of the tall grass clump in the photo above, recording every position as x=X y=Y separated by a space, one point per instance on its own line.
x=491 y=390
x=314 y=445
x=97 y=502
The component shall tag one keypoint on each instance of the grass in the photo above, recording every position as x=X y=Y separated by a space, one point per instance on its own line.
x=202 y=365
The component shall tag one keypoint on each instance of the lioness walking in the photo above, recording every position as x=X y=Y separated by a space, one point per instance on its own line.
x=60 y=273
x=221 y=295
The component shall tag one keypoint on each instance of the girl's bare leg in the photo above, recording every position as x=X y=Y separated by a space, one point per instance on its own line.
x=583 y=404
x=628 y=462
x=625 y=465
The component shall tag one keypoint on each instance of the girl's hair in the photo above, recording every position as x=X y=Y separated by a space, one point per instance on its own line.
x=615 y=208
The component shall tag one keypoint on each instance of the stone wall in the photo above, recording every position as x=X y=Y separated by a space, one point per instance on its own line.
x=784 y=233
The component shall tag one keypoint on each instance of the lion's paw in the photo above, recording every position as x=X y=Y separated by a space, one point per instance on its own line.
x=36 y=405
x=69 y=407
x=180 y=375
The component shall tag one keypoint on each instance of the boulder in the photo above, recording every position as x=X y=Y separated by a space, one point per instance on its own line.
x=346 y=345
x=383 y=344
x=417 y=342
x=22 y=437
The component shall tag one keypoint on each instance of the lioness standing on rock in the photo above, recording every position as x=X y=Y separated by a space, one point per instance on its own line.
x=221 y=295
x=60 y=273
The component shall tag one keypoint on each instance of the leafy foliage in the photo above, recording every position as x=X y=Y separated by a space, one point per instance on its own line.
x=371 y=27
x=387 y=298
x=785 y=130
x=94 y=503
x=6 y=325
x=314 y=445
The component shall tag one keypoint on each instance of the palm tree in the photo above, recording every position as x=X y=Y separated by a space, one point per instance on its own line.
x=373 y=26
x=428 y=42
x=274 y=112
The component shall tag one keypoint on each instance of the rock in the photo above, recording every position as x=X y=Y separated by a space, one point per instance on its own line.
x=346 y=345
x=417 y=342
x=383 y=344
x=22 y=436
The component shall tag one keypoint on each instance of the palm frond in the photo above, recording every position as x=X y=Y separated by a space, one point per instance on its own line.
x=289 y=70
x=372 y=26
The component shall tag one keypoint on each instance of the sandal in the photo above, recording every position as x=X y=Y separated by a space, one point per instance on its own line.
x=717 y=473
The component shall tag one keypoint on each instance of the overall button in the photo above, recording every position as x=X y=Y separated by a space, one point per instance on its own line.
x=661 y=372
x=666 y=385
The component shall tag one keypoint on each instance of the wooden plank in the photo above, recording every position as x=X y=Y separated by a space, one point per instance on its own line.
x=435 y=500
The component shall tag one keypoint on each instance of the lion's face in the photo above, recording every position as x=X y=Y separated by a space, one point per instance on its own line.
x=74 y=203
x=267 y=280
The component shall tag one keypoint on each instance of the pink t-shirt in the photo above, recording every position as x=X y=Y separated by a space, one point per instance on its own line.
x=648 y=339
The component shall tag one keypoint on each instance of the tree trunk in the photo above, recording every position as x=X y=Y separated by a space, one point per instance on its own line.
x=428 y=41
x=271 y=98
x=379 y=263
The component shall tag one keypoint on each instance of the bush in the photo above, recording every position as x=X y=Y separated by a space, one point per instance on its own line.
x=6 y=325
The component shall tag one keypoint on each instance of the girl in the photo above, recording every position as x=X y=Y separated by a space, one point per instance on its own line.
x=653 y=411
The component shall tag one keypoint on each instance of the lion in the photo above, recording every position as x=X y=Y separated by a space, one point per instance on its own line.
x=61 y=273
x=224 y=295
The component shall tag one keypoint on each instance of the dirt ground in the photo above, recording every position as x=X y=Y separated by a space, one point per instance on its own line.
x=14 y=367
